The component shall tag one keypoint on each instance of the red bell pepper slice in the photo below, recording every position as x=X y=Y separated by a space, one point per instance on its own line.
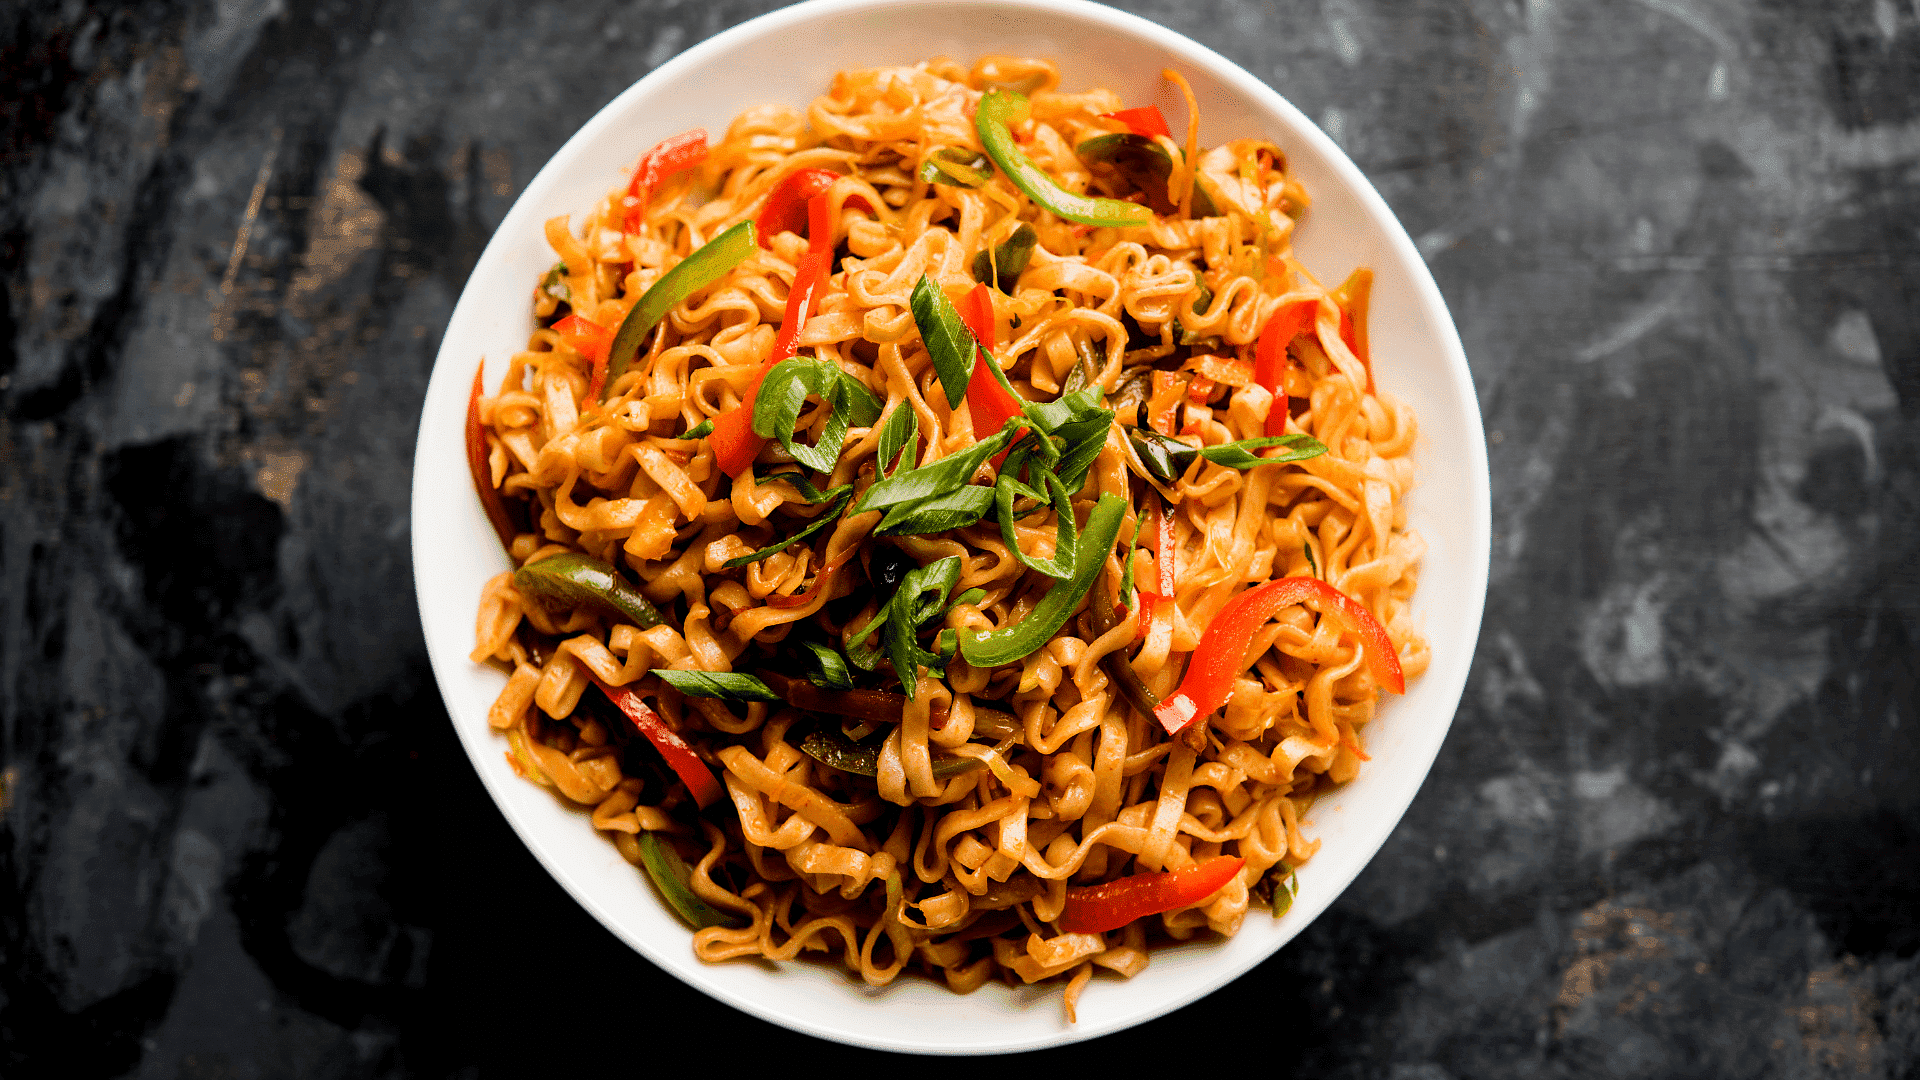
x=1270 y=355
x=819 y=225
x=976 y=310
x=490 y=500
x=1200 y=389
x=1146 y=120
x=789 y=207
x=733 y=440
x=989 y=403
x=679 y=756
x=1160 y=542
x=592 y=341
x=1110 y=905
x=671 y=155
x=1222 y=651
x=1163 y=557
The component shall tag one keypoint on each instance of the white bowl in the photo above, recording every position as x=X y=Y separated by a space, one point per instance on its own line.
x=790 y=55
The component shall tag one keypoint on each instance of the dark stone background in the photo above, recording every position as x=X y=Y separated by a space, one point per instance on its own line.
x=1675 y=832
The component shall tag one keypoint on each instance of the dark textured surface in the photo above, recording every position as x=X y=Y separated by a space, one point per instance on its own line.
x=1675 y=831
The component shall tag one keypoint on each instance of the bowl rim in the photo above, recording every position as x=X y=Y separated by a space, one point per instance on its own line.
x=1427 y=297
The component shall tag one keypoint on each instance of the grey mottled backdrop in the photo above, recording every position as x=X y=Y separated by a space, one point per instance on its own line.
x=1675 y=831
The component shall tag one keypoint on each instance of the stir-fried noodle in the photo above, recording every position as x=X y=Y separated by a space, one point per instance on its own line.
x=940 y=721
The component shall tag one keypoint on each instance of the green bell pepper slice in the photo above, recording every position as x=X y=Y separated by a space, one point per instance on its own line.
x=1009 y=258
x=671 y=875
x=688 y=276
x=998 y=111
x=992 y=648
x=837 y=752
x=574 y=579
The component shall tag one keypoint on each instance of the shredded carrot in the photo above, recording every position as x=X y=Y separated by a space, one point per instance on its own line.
x=1193 y=139
x=1222 y=369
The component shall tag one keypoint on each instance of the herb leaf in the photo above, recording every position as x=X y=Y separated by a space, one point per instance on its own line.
x=1166 y=458
x=1240 y=455
x=1020 y=490
x=800 y=483
x=1067 y=530
x=938 y=478
x=863 y=654
x=841 y=495
x=922 y=595
x=825 y=667
x=862 y=407
x=1083 y=442
x=947 y=338
x=725 y=685
x=899 y=438
x=1080 y=425
x=955 y=509
x=1051 y=416
x=783 y=393
x=702 y=430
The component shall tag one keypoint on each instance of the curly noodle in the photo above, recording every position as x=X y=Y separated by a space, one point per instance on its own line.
x=962 y=874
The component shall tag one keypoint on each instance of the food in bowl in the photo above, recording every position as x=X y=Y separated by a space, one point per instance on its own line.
x=951 y=531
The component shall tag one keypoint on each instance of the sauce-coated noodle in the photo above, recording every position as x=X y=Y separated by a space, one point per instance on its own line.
x=996 y=791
